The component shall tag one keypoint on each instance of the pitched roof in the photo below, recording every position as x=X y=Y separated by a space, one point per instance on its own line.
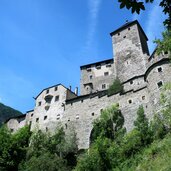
x=96 y=63
x=128 y=24
x=52 y=87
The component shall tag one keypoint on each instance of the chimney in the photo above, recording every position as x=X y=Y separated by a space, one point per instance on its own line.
x=76 y=90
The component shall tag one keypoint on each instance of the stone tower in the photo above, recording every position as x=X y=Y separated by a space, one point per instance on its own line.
x=130 y=51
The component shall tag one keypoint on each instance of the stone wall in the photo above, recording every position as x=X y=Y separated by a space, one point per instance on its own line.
x=96 y=77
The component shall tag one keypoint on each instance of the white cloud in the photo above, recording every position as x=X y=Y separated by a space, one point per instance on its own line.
x=94 y=7
x=154 y=24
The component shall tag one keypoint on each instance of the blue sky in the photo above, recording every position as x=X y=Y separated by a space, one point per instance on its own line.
x=44 y=42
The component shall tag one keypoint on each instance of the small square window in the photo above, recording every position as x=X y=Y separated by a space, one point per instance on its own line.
x=159 y=69
x=56 y=98
x=92 y=114
x=118 y=34
x=32 y=115
x=98 y=66
x=45 y=117
x=131 y=82
x=88 y=69
x=47 y=91
x=91 y=77
x=124 y=37
x=143 y=97
x=108 y=65
x=77 y=116
x=56 y=88
x=129 y=101
x=58 y=118
x=103 y=86
x=39 y=103
x=129 y=28
x=160 y=84
x=101 y=110
x=106 y=73
x=82 y=101
x=37 y=119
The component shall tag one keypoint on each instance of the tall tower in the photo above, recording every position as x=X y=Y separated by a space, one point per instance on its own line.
x=130 y=50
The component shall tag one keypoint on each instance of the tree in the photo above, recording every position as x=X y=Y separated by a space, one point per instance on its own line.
x=116 y=87
x=109 y=124
x=13 y=148
x=137 y=6
x=142 y=126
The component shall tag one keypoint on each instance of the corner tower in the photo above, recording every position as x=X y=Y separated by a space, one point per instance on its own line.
x=130 y=50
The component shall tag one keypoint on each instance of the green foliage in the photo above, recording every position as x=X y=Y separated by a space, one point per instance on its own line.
x=7 y=112
x=137 y=6
x=164 y=45
x=13 y=148
x=109 y=124
x=116 y=87
x=142 y=126
x=50 y=152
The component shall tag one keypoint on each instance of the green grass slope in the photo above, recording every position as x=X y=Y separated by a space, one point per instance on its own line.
x=156 y=157
x=6 y=112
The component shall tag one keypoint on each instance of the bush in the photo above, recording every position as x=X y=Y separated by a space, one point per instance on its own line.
x=116 y=87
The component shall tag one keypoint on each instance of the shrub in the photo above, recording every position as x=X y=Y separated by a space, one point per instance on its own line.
x=116 y=87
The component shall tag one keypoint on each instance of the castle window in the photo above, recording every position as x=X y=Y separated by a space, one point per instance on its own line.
x=118 y=34
x=124 y=37
x=106 y=73
x=77 y=116
x=159 y=69
x=58 y=116
x=129 y=28
x=160 y=84
x=39 y=104
x=129 y=101
x=108 y=65
x=131 y=82
x=48 y=98
x=45 y=117
x=37 y=119
x=30 y=123
x=66 y=126
x=47 y=91
x=32 y=115
x=91 y=77
x=143 y=97
x=82 y=101
x=101 y=110
x=103 y=86
x=71 y=103
x=88 y=69
x=92 y=114
x=165 y=52
x=98 y=66
x=46 y=129
x=12 y=130
x=56 y=88
x=56 y=98
x=69 y=120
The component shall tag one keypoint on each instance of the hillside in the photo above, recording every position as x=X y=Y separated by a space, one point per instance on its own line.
x=7 y=112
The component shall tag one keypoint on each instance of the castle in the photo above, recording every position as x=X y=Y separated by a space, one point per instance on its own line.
x=141 y=74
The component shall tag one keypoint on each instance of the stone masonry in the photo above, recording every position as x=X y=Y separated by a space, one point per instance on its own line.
x=142 y=76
